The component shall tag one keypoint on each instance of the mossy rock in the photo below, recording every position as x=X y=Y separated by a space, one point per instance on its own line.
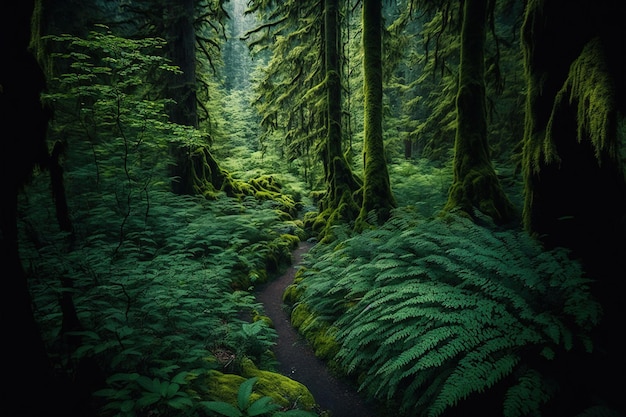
x=292 y=294
x=266 y=182
x=309 y=219
x=318 y=333
x=293 y=227
x=285 y=391
x=224 y=387
x=257 y=316
x=294 y=291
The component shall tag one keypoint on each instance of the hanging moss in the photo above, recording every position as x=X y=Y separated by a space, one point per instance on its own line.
x=590 y=88
x=575 y=185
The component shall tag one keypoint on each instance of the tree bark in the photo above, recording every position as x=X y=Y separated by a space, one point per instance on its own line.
x=338 y=204
x=195 y=170
x=181 y=88
x=33 y=390
x=475 y=184
x=575 y=186
x=377 y=195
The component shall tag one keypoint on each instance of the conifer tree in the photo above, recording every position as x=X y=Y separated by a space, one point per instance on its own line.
x=475 y=184
x=338 y=204
x=310 y=78
x=182 y=88
x=377 y=195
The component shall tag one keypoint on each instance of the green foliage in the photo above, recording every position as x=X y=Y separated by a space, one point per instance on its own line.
x=163 y=302
x=430 y=313
x=160 y=282
x=246 y=407
x=132 y=393
x=420 y=184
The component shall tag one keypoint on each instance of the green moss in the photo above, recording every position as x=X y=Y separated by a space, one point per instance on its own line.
x=294 y=291
x=283 y=215
x=266 y=182
x=224 y=387
x=292 y=294
x=264 y=195
x=295 y=227
x=257 y=316
x=317 y=332
x=589 y=86
x=285 y=391
x=291 y=241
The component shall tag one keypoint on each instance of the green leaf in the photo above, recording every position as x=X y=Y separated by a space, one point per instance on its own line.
x=294 y=413
x=171 y=390
x=180 y=402
x=181 y=378
x=222 y=408
x=148 y=398
x=149 y=384
x=261 y=406
x=245 y=390
x=127 y=406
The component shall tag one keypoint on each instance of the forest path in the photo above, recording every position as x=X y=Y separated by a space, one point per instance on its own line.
x=296 y=358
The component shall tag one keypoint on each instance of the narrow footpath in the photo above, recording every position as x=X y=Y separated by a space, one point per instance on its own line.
x=296 y=358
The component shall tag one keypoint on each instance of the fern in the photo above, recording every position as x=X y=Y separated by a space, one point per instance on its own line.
x=447 y=309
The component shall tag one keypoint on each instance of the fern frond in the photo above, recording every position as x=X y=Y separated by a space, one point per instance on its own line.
x=439 y=312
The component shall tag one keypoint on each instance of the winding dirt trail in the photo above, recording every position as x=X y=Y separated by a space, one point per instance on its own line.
x=296 y=358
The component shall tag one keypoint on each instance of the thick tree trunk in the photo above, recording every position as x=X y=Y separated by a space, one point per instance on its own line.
x=338 y=204
x=475 y=184
x=182 y=41
x=575 y=193
x=575 y=187
x=182 y=44
x=377 y=195
x=195 y=170
x=33 y=389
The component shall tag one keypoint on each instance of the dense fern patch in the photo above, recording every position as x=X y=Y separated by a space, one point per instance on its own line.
x=430 y=314
x=159 y=301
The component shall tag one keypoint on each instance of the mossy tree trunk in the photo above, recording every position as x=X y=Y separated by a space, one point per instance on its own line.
x=377 y=195
x=195 y=171
x=574 y=139
x=475 y=184
x=574 y=150
x=338 y=204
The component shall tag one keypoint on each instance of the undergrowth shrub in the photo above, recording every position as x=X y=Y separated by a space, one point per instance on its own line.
x=151 y=287
x=430 y=314
x=162 y=303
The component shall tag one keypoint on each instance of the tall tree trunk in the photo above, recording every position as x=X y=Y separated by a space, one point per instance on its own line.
x=475 y=183
x=195 y=171
x=182 y=45
x=338 y=205
x=33 y=390
x=575 y=186
x=182 y=40
x=377 y=195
